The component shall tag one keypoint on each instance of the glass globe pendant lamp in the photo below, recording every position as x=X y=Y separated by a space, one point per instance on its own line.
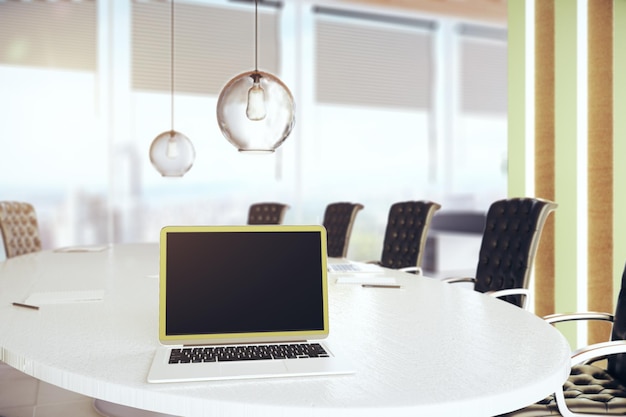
x=171 y=152
x=255 y=109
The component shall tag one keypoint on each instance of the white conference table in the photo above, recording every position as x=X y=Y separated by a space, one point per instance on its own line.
x=426 y=349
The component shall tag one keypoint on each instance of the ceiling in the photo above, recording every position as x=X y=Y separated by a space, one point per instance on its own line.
x=485 y=10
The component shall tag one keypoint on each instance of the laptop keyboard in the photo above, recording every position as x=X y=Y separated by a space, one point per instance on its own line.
x=343 y=268
x=247 y=352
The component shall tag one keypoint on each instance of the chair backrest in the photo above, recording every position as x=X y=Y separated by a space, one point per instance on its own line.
x=338 y=221
x=19 y=227
x=616 y=364
x=405 y=236
x=509 y=244
x=267 y=213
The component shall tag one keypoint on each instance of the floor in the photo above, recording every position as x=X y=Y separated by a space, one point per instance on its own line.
x=24 y=396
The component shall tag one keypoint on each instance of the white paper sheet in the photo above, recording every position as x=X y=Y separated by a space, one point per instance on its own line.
x=95 y=248
x=64 y=297
x=366 y=279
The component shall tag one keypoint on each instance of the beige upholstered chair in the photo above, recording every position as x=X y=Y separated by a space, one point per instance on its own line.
x=19 y=228
x=509 y=244
x=338 y=221
x=267 y=213
x=405 y=235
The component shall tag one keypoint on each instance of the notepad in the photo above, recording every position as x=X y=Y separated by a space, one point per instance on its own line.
x=65 y=297
x=95 y=248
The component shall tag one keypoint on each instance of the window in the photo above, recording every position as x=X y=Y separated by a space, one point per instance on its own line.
x=87 y=86
x=371 y=125
x=481 y=139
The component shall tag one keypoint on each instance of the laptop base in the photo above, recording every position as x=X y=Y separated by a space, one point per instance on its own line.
x=161 y=371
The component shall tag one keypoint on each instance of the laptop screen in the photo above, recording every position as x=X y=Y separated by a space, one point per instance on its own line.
x=222 y=284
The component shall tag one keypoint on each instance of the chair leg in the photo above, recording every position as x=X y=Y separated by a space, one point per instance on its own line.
x=565 y=411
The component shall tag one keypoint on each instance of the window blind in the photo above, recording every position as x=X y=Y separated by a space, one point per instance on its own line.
x=483 y=69
x=361 y=61
x=59 y=34
x=212 y=44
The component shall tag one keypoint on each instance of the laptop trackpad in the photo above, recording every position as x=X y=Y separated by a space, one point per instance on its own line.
x=252 y=368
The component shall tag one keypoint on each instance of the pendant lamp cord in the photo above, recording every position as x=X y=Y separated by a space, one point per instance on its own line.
x=256 y=35
x=172 y=62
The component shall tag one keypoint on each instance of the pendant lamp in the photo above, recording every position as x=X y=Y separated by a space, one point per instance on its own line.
x=255 y=110
x=171 y=152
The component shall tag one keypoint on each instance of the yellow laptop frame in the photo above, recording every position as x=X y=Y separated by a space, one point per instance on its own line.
x=252 y=337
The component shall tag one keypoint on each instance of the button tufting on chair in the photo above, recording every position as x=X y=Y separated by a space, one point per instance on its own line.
x=267 y=213
x=405 y=236
x=19 y=227
x=509 y=244
x=338 y=221
x=512 y=233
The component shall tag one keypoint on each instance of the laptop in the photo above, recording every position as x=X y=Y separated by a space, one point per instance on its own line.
x=238 y=302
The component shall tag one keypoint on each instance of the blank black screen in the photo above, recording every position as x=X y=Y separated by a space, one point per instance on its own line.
x=228 y=282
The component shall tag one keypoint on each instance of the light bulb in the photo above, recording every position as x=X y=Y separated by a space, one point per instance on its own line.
x=256 y=109
x=172 y=148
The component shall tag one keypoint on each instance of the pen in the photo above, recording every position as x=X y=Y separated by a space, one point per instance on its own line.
x=380 y=286
x=26 y=306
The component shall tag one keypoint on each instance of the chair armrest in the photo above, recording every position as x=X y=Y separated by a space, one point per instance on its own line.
x=587 y=354
x=588 y=315
x=512 y=291
x=413 y=269
x=495 y=293
x=598 y=351
x=456 y=280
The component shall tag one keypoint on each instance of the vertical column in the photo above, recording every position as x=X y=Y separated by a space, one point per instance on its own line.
x=619 y=142
x=566 y=163
x=600 y=164
x=544 y=150
x=517 y=100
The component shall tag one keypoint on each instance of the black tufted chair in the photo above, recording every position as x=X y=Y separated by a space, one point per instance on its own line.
x=508 y=247
x=19 y=228
x=591 y=390
x=267 y=213
x=405 y=236
x=338 y=221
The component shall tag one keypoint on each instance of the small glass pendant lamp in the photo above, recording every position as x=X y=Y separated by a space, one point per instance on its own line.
x=255 y=110
x=171 y=152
